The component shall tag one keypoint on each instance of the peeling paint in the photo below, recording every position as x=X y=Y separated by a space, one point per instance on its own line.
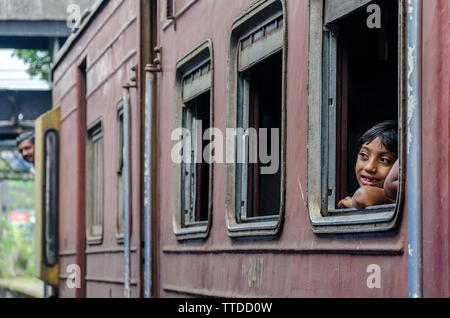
x=252 y=272
x=412 y=98
x=414 y=150
x=410 y=12
x=302 y=193
x=147 y=190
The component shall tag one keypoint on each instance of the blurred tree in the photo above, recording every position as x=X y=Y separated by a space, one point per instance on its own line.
x=17 y=240
x=38 y=62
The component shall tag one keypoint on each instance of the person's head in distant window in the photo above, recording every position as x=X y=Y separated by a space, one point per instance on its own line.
x=377 y=153
x=25 y=144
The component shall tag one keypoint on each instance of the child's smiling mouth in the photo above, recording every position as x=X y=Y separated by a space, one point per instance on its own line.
x=368 y=181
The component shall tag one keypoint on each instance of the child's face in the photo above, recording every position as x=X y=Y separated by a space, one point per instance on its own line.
x=373 y=164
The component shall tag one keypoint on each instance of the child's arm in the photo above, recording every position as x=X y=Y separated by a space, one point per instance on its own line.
x=391 y=183
x=345 y=203
x=369 y=196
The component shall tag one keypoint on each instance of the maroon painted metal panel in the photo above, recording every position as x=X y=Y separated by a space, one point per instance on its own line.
x=81 y=134
x=110 y=46
x=298 y=263
x=436 y=151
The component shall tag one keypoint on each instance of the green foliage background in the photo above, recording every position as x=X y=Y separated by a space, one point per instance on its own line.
x=38 y=62
x=16 y=242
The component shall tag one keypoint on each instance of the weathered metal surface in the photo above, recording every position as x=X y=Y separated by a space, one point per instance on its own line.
x=435 y=148
x=149 y=106
x=414 y=150
x=110 y=47
x=79 y=184
x=297 y=262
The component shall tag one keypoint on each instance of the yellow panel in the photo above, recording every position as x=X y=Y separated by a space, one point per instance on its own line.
x=49 y=120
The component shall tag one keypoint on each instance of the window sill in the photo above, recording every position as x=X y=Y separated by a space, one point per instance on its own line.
x=371 y=219
x=263 y=226
x=120 y=239
x=94 y=240
x=198 y=230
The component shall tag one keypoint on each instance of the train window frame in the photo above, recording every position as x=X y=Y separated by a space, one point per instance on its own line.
x=259 y=16
x=119 y=176
x=94 y=163
x=323 y=218
x=194 y=60
x=50 y=209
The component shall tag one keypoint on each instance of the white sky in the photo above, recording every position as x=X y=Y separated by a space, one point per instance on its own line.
x=13 y=74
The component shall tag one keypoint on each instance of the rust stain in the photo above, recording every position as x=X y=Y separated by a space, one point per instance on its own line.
x=252 y=272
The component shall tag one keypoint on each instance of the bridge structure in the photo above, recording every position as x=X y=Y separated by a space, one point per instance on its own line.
x=35 y=25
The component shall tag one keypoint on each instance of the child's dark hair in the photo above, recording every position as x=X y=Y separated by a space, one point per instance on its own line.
x=387 y=131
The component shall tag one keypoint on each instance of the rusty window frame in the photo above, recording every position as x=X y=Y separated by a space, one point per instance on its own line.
x=261 y=41
x=255 y=45
x=197 y=81
x=254 y=20
x=194 y=77
x=191 y=173
x=249 y=179
x=94 y=183
x=324 y=218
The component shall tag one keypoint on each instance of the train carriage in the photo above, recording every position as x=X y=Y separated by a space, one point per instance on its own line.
x=163 y=191
x=88 y=88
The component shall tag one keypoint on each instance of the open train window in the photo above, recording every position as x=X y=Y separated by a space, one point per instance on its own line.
x=94 y=183
x=195 y=174
x=256 y=112
x=355 y=82
x=119 y=175
x=194 y=115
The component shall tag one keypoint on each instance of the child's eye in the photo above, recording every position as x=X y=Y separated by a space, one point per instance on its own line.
x=385 y=160
x=363 y=155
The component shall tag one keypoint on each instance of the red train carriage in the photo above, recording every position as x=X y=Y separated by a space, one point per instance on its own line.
x=153 y=197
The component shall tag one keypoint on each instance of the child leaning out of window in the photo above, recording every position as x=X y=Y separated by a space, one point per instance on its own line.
x=377 y=153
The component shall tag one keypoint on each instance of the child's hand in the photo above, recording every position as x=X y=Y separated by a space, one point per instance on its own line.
x=391 y=183
x=346 y=203
x=369 y=196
